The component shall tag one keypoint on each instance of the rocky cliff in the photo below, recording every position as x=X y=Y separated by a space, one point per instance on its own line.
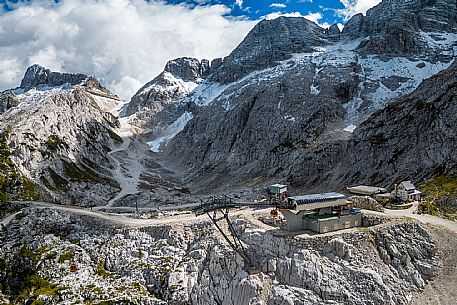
x=60 y=258
x=37 y=75
x=412 y=138
x=398 y=27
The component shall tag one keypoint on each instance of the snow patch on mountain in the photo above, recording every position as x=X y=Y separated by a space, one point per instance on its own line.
x=413 y=73
x=170 y=132
x=33 y=97
x=108 y=104
x=445 y=43
x=175 y=84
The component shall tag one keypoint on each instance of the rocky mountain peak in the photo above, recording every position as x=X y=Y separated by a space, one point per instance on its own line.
x=179 y=78
x=353 y=28
x=269 y=42
x=396 y=27
x=188 y=69
x=39 y=75
x=334 y=33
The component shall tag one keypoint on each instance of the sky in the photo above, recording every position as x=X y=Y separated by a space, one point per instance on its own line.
x=126 y=43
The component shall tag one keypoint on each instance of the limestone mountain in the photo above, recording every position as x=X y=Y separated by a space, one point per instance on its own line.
x=56 y=131
x=178 y=79
x=283 y=105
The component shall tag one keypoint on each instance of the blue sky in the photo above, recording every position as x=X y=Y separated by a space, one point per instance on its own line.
x=255 y=9
x=327 y=11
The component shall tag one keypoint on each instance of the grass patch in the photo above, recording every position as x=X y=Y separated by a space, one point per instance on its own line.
x=34 y=287
x=54 y=142
x=440 y=195
x=67 y=256
x=101 y=271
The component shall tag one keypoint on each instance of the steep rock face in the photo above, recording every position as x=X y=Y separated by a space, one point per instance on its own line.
x=268 y=43
x=413 y=138
x=252 y=130
x=59 y=138
x=38 y=75
x=354 y=27
x=289 y=121
x=334 y=33
x=394 y=26
x=188 y=69
x=8 y=100
x=179 y=78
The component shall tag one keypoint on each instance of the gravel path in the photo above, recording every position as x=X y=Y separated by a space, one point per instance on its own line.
x=7 y=219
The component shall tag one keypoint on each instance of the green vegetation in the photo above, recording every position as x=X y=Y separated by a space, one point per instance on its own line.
x=59 y=182
x=35 y=286
x=440 y=195
x=377 y=139
x=51 y=255
x=26 y=252
x=184 y=190
x=84 y=173
x=54 y=142
x=13 y=185
x=67 y=256
x=101 y=271
x=77 y=174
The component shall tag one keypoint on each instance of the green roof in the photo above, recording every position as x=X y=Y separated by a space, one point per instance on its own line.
x=322 y=217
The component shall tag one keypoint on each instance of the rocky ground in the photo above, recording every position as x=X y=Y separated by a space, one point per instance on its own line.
x=443 y=289
x=52 y=256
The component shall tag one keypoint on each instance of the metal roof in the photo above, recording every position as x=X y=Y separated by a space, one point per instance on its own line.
x=278 y=185
x=366 y=190
x=312 y=198
x=408 y=185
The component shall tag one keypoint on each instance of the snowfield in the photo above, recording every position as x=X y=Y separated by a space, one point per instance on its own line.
x=170 y=132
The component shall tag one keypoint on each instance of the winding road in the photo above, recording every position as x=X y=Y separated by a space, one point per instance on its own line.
x=188 y=217
x=424 y=218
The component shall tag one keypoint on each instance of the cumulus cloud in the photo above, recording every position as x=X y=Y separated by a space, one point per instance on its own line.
x=124 y=43
x=314 y=17
x=278 y=5
x=352 y=7
x=275 y=15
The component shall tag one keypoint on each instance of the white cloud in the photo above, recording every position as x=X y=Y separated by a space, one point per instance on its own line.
x=352 y=7
x=275 y=15
x=278 y=5
x=124 y=43
x=314 y=17
x=239 y=3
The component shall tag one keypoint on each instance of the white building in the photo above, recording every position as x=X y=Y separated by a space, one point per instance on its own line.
x=406 y=191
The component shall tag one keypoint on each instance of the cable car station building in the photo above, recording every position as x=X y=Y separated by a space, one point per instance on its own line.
x=320 y=213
